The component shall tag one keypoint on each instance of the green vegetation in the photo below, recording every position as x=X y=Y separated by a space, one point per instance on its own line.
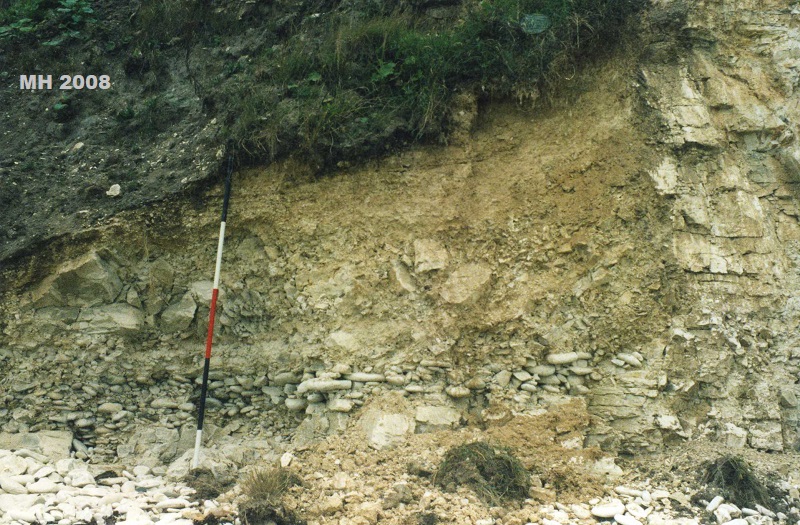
x=50 y=23
x=351 y=82
x=494 y=475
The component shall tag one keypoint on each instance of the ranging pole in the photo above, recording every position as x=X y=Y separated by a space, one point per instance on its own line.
x=211 y=315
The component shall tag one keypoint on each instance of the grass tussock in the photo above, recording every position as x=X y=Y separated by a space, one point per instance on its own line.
x=494 y=475
x=202 y=480
x=263 y=492
x=736 y=481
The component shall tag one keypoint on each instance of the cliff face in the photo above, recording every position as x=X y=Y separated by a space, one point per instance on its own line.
x=633 y=245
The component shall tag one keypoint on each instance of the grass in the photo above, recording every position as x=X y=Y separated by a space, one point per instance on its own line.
x=351 y=84
x=494 y=474
x=358 y=78
x=736 y=481
x=263 y=492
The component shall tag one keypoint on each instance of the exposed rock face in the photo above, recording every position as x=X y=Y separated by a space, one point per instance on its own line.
x=640 y=251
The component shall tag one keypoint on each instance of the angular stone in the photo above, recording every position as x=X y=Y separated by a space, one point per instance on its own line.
x=58 y=314
x=156 y=442
x=429 y=255
x=665 y=177
x=344 y=340
x=766 y=435
x=384 y=429
x=737 y=214
x=340 y=405
x=178 y=316
x=788 y=398
x=437 y=416
x=161 y=275
x=401 y=278
x=668 y=422
x=81 y=478
x=112 y=318
x=86 y=281
x=202 y=290
x=466 y=284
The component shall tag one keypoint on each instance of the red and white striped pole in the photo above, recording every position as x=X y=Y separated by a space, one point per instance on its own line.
x=211 y=315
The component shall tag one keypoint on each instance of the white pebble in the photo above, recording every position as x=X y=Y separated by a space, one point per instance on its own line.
x=43 y=486
x=626 y=519
x=714 y=503
x=12 y=487
x=625 y=491
x=580 y=511
x=608 y=510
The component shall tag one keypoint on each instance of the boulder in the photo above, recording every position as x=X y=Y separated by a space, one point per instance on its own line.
x=429 y=255
x=154 y=444
x=385 y=429
x=223 y=469
x=111 y=318
x=86 y=281
x=432 y=418
x=466 y=284
x=178 y=316
x=766 y=435
x=53 y=444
